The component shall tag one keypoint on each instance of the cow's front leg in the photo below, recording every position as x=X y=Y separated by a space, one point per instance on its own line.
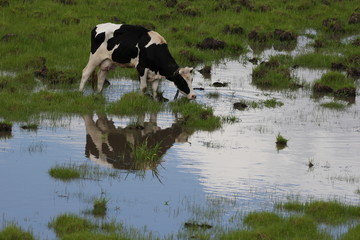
x=105 y=67
x=94 y=61
x=143 y=81
x=154 y=86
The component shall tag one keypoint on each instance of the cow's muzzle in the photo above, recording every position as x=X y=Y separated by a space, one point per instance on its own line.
x=191 y=96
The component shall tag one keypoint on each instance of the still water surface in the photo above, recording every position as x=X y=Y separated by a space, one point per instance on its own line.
x=237 y=167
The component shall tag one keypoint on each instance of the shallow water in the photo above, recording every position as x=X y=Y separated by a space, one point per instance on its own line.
x=236 y=168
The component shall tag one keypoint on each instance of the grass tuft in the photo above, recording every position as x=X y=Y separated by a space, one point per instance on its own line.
x=69 y=172
x=274 y=74
x=134 y=103
x=271 y=226
x=99 y=207
x=331 y=212
x=70 y=223
x=13 y=232
x=64 y=173
x=196 y=116
x=334 y=105
x=280 y=140
x=336 y=83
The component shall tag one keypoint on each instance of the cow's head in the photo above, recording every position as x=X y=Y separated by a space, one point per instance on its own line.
x=183 y=81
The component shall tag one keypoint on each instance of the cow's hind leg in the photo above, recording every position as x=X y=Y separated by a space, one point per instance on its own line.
x=143 y=81
x=88 y=70
x=105 y=67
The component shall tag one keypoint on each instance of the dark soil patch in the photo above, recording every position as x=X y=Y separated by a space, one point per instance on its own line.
x=247 y=4
x=7 y=37
x=318 y=44
x=206 y=72
x=255 y=36
x=333 y=24
x=66 y=2
x=190 y=11
x=170 y=3
x=233 y=29
x=264 y=8
x=272 y=64
x=338 y=66
x=353 y=72
x=284 y=35
x=211 y=43
x=254 y=60
x=356 y=42
x=197 y=225
x=5 y=127
x=320 y=88
x=3 y=83
x=343 y=92
x=354 y=18
x=4 y=3
x=189 y=56
x=240 y=105
x=220 y=84
x=346 y=92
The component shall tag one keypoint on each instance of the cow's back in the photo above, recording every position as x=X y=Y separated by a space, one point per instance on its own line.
x=120 y=42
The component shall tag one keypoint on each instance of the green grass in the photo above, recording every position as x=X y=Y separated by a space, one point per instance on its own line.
x=13 y=232
x=336 y=83
x=99 y=207
x=317 y=60
x=330 y=212
x=214 y=95
x=334 y=105
x=64 y=173
x=352 y=234
x=61 y=33
x=274 y=74
x=272 y=103
x=22 y=106
x=70 y=223
x=280 y=140
x=196 y=116
x=67 y=172
x=71 y=226
x=264 y=225
x=132 y=104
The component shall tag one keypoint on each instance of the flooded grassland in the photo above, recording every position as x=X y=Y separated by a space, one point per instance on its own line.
x=205 y=178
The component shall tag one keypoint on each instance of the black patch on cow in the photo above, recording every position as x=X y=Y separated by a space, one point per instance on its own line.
x=127 y=37
x=181 y=83
x=157 y=58
x=96 y=40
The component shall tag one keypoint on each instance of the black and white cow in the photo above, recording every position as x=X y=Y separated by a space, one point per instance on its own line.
x=137 y=47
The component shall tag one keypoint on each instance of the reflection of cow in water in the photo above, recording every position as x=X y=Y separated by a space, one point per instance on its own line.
x=113 y=146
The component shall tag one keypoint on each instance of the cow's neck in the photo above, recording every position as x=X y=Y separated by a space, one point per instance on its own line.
x=170 y=70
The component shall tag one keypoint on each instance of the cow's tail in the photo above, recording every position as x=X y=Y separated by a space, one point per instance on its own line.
x=93 y=80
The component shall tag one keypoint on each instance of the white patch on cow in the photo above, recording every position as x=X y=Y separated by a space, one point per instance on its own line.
x=108 y=28
x=155 y=38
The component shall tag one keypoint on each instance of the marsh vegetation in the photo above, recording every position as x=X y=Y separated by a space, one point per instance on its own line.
x=195 y=169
